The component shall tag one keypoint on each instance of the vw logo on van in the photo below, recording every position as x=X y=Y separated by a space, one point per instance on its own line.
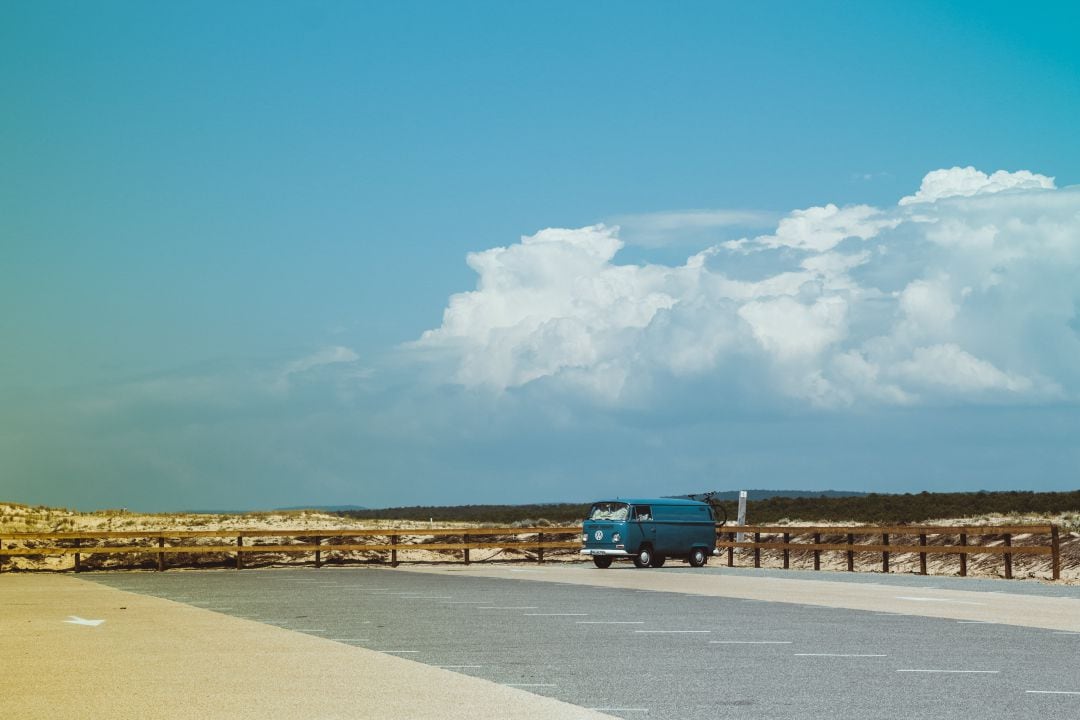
x=599 y=534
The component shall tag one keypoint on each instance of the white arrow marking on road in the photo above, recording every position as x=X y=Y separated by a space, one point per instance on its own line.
x=76 y=620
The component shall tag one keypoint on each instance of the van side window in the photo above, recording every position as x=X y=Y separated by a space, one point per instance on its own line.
x=642 y=512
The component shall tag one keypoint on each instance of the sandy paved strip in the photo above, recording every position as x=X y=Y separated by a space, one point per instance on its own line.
x=153 y=658
x=1053 y=613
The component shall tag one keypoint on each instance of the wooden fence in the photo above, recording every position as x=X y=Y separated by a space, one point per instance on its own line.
x=946 y=541
x=386 y=544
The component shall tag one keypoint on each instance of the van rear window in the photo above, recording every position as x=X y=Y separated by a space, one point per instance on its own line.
x=609 y=511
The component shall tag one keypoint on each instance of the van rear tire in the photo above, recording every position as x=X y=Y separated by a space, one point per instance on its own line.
x=644 y=557
x=602 y=561
x=658 y=561
x=697 y=557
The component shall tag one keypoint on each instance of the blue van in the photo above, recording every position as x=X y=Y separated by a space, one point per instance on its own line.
x=649 y=531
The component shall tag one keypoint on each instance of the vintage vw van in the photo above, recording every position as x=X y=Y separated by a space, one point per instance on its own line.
x=649 y=531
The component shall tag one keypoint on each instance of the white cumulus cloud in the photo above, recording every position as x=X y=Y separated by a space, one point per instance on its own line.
x=968 y=181
x=959 y=302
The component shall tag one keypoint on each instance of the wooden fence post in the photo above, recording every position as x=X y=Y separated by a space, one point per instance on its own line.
x=817 y=553
x=963 y=555
x=757 y=550
x=161 y=555
x=1008 y=557
x=787 y=539
x=2 y=556
x=540 y=550
x=1055 y=554
x=239 y=553
x=78 y=565
x=922 y=554
x=731 y=550
x=885 y=554
x=850 y=553
x=318 y=553
x=393 y=551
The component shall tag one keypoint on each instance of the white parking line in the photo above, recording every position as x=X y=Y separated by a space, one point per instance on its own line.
x=840 y=655
x=619 y=709
x=465 y=602
x=610 y=622
x=941 y=600
x=750 y=642
x=1052 y=692
x=672 y=632
x=496 y=607
x=961 y=672
x=556 y=614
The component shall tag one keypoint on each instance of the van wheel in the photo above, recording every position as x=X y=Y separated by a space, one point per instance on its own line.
x=601 y=561
x=658 y=561
x=644 y=557
x=697 y=557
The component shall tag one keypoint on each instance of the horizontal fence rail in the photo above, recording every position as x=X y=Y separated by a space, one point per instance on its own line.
x=388 y=543
x=782 y=538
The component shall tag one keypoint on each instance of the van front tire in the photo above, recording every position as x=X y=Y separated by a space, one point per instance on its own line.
x=602 y=561
x=698 y=557
x=644 y=557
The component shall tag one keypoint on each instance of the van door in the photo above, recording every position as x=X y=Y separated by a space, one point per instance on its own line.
x=643 y=520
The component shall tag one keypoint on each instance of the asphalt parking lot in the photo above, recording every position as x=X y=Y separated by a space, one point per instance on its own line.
x=635 y=653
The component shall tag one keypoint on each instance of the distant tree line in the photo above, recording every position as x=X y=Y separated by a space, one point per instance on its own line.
x=871 y=508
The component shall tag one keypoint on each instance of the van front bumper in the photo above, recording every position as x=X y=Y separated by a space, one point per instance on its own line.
x=604 y=551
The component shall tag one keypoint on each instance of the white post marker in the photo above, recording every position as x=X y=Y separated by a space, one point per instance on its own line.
x=76 y=620
x=742 y=514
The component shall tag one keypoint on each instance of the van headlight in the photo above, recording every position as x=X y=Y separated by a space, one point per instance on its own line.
x=616 y=537
x=584 y=537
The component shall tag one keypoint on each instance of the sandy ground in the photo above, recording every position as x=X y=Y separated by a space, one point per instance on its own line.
x=22 y=518
x=74 y=649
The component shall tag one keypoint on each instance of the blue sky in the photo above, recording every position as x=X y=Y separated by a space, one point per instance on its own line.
x=266 y=254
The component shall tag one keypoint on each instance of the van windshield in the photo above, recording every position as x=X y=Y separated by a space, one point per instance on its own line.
x=609 y=511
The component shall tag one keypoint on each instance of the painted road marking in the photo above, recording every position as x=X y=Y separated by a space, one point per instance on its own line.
x=750 y=642
x=76 y=620
x=465 y=602
x=495 y=607
x=972 y=672
x=556 y=614
x=942 y=600
x=842 y=655
x=1052 y=692
x=610 y=622
x=1058 y=632
x=618 y=709
x=672 y=632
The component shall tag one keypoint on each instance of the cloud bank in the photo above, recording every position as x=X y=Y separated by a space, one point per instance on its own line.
x=966 y=292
